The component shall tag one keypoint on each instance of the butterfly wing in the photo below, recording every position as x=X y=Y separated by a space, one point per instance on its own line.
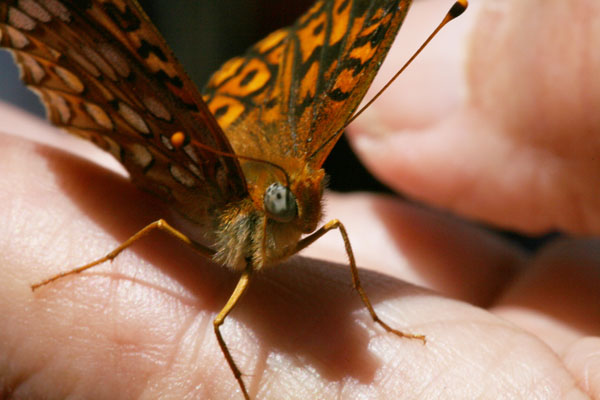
x=105 y=73
x=294 y=90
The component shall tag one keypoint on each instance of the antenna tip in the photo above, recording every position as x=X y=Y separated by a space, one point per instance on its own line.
x=458 y=8
x=177 y=139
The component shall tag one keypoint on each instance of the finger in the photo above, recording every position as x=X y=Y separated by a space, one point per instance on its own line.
x=557 y=297
x=583 y=360
x=515 y=145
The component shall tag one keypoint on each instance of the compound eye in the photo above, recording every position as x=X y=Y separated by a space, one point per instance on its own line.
x=280 y=203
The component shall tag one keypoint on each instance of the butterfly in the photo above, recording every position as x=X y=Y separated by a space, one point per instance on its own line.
x=242 y=159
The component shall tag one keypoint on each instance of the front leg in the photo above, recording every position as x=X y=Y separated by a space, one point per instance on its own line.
x=220 y=318
x=160 y=225
x=336 y=224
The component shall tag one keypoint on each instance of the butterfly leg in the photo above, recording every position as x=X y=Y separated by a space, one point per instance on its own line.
x=160 y=224
x=220 y=318
x=335 y=224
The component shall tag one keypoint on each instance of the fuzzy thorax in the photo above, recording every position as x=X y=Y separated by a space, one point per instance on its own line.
x=246 y=234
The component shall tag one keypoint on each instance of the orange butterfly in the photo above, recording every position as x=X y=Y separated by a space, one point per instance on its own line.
x=244 y=159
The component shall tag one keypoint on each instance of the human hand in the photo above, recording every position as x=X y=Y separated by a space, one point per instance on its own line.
x=141 y=327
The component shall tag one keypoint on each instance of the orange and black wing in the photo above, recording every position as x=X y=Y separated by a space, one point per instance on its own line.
x=104 y=73
x=293 y=91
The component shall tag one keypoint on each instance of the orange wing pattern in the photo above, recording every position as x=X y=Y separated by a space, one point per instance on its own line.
x=294 y=90
x=106 y=74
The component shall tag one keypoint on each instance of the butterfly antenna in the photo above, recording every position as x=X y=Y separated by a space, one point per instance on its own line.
x=240 y=157
x=457 y=9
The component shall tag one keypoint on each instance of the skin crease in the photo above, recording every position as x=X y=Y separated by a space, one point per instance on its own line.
x=500 y=323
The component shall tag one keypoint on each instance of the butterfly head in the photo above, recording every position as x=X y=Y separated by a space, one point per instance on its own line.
x=265 y=226
x=286 y=197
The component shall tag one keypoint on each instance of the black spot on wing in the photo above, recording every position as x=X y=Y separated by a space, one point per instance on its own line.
x=127 y=20
x=175 y=81
x=342 y=7
x=81 y=5
x=248 y=77
x=271 y=103
x=318 y=29
x=146 y=48
x=163 y=77
x=378 y=35
x=219 y=112
x=338 y=95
